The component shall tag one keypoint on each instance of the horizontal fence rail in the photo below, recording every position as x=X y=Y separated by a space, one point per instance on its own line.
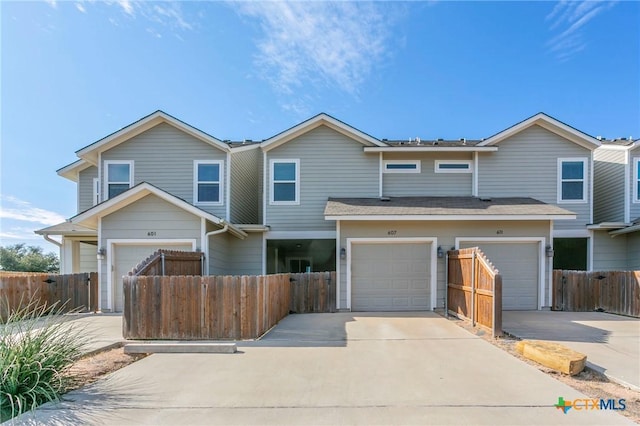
x=77 y=292
x=617 y=292
x=474 y=289
x=219 y=307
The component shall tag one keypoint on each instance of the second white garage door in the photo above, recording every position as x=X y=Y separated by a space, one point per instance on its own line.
x=518 y=264
x=390 y=277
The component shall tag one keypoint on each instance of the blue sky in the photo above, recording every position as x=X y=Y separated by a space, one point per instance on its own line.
x=73 y=72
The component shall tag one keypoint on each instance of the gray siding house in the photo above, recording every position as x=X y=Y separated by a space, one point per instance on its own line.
x=616 y=228
x=324 y=195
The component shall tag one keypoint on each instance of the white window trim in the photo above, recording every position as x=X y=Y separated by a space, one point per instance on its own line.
x=273 y=161
x=386 y=163
x=106 y=175
x=96 y=191
x=220 y=182
x=585 y=179
x=636 y=180
x=438 y=169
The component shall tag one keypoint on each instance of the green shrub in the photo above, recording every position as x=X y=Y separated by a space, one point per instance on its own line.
x=37 y=346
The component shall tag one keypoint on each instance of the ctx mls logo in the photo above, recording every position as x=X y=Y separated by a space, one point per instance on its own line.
x=590 y=404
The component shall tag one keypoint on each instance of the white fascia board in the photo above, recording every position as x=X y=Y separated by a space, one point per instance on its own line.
x=312 y=123
x=608 y=225
x=628 y=230
x=450 y=217
x=549 y=123
x=135 y=194
x=431 y=149
x=90 y=152
x=71 y=171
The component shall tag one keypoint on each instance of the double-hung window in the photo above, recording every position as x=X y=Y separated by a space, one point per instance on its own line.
x=572 y=180
x=636 y=180
x=119 y=177
x=285 y=181
x=208 y=176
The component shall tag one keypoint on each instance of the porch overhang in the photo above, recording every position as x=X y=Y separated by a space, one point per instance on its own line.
x=443 y=208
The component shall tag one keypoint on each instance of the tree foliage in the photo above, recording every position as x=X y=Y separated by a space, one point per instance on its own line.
x=23 y=258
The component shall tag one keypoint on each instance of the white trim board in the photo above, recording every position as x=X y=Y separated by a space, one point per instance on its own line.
x=433 y=285
x=542 y=241
x=433 y=217
x=300 y=235
x=111 y=243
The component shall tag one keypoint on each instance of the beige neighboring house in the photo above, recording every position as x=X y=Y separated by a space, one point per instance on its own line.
x=323 y=195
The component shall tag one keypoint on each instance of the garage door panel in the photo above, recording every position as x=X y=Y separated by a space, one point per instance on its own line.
x=390 y=277
x=518 y=263
x=129 y=256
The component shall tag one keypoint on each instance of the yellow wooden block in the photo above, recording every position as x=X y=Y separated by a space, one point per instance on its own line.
x=553 y=355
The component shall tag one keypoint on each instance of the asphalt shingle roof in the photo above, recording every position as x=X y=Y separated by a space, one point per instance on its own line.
x=440 y=206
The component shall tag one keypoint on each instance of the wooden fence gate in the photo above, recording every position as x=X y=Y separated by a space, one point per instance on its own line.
x=617 y=292
x=474 y=289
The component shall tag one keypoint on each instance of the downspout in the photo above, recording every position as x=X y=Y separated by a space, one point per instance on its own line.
x=51 y=240
x=446 y=285
x=225 y=228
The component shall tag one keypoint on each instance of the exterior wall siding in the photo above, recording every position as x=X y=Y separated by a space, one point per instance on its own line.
x=245 y=256
x=608 y=195
x=218 y=254
x=163 y=156
x=609 y=254
x=331 y=165
x=427 y=182
x=526 y=165
x=88 y=261
x=135 y=221
x=85 y=188
x=633 y=251
x=244 y=186
x=634 y=210
x=445 y=232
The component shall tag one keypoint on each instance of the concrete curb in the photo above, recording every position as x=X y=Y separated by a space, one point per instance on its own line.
x=180 y=347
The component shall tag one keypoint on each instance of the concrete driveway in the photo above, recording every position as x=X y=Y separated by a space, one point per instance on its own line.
x=611 y=342
x=347 y=368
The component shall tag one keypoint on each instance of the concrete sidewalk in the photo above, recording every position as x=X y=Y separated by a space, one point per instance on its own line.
x=345 y=368
x=611 y=342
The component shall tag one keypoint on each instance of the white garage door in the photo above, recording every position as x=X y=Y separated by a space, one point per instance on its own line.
x=518 y=264
x=128 y=256
x=390 y=277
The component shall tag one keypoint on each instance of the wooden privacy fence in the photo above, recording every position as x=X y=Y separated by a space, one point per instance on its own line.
x=171 y=262
x=616 y=292
x=75 y=291
x=218 y=307
x=474 y=289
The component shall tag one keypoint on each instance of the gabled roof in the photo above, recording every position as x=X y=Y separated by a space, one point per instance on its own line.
x=71 y=171
x=443 y=208
x=321 y=119
x=90 y=152
x=89 y=218
x=549 y=123
x=67 y=229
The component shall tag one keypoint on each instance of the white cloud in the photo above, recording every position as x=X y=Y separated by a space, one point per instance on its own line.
x=81 y=8
x=52 y=3
x=569 y=17
x=327 y=44
x=16 y=209
x=126 y=6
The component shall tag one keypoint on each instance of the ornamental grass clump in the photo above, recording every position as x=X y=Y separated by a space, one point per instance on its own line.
x=37 y=347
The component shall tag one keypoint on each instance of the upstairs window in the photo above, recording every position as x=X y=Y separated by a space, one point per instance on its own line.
x=401 y=166
x=572 y=182
x=208 y=182
x=453 y=166
x=285 y=182
x=119 y=177
x=636 y=180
